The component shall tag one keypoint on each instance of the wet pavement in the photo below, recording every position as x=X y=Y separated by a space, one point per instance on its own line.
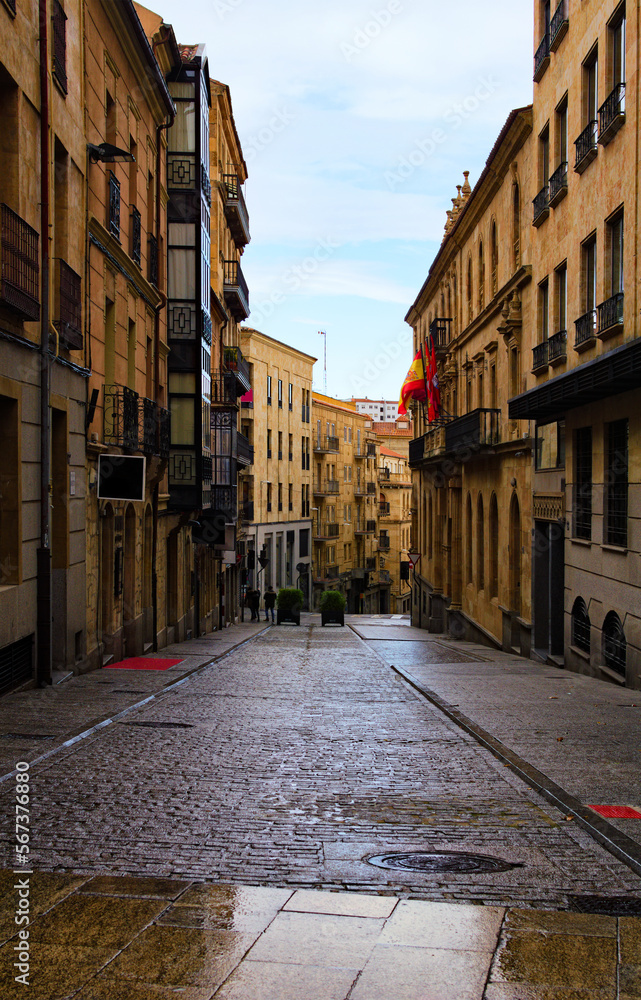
x=215 y=840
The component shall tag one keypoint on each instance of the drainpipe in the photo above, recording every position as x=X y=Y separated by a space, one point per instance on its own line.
x=43 y=563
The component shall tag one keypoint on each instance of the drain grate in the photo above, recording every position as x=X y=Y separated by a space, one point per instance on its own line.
x=26 y=736
x=611 y=906
x=160 y=725
x=430 y=862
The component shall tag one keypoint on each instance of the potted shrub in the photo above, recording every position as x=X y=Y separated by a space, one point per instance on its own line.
x=332 y=607
x=288 y=605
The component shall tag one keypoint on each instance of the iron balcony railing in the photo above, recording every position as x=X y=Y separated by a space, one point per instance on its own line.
x=235 y=290
x=364 y=527
x=612 y=113
x=114 y=206
x=326 y=443
x=559 y=183
x=236 y=210
x=586 y=146
x=68 y=306
x=384 y=473
x=152 y=261
x=121 y=417
x=558 y=346
x=384 y=509
x=474 y=430
x=440 y=334
x=417 y=448
x=542 y=56
x=155 y=428
x=225 y=500
x=585 y=328
x=540 y=356
x=135 y=236
x=326 y=530
x=559 y=24
x=325 y=487
x=20 y=267
x=244 y=450
x=58 y=23
x=541 y=205
x=610 y=312
x=235 y=362
x=224 y=389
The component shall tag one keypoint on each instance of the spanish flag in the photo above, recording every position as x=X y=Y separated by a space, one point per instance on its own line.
x=414 y=384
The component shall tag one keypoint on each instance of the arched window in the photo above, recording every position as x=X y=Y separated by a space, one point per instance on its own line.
x=455 y=301
x=469 y=289
x=614 y=644
x=429 y=527
x=481 y=277
x=516 y=226
x=515 y=554
x=470 y=540
x=580 y=625
x=495 y=260
x=494 y=547
x=480 y=543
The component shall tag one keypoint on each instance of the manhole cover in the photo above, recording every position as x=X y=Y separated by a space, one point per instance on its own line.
x=160 y=725
x=442 y=861
x=612 y=906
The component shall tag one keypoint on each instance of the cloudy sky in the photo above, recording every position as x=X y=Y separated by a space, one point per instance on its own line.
x=357 y=120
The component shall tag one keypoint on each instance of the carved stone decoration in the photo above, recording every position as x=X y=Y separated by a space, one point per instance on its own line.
x=511 y=318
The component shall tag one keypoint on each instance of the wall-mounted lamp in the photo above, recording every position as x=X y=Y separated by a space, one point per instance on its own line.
x=106 y=152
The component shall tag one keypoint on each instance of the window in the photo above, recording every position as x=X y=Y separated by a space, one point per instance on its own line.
x=583 y=483
x=59 y=25
x=470 y=540
x=290 y=396
x=494 y=546
x=616 y=484
x=516 y=226
x=269 y=443
x=580 y=625
x=591 y=87
x=544 y=311
x=280 y=496
x=544 y=156
x=481 y=277
x=614 y=235
x=10 y=493
x=480 y=542
x=280 y=393
x=614 y=644
x=561 y=310
x=550 y=446
x=269 y=390
x=588 y=274
x=290 y=453
x=562 y=132
x=269 y=497
x=113 y=221
x=469 y=289
x=495 y=262
x=280 y=446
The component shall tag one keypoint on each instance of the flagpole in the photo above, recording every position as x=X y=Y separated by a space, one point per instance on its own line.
x=427 y=391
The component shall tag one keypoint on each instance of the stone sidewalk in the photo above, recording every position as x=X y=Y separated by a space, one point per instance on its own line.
x=581 y=733
x=38 y=722
x=126 y=938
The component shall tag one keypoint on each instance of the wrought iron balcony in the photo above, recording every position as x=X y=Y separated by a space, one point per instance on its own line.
x=384 y=473
x=235 y=362
x=612 y=114
x=585 y=330
x=541 y=206
x=152 y=261
x=559 y=184
x=325 y=487
x=364 y=527
x=135 y=236
x=440 y=334
x=121 y=417
x=610 y=315
x=586 y=147
x=113 y=219
x=19 y=280
x=244 y=450
x=164 y=432
x=325 y=531
x=235 y=290
x=326 y=443
x=155 y=428
x=473 y=431
x=225 y=500
x=371 y=449
x=540 y=356
x=236 y=210
x=224 y=390
x=558 y=347
x=68 y=306
x=559 y=25
x=371 y=488
x=384 y=509
x=542 y=57
x=247 y=511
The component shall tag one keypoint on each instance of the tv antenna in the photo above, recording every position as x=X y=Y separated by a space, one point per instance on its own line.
x=323 y=333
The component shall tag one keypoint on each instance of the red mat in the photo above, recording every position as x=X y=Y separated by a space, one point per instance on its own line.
x=143 y=663
x=617 y=812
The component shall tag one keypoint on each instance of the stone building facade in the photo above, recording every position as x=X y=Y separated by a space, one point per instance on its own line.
x=347 y=547
x=395 y=526
x=275 y=492
x=43 y=353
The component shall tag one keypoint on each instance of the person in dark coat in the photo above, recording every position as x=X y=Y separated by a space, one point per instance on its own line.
x=270 y=601
x=254 y=603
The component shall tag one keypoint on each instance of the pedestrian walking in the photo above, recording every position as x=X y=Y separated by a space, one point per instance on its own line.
x=254 y=604
x=270 y=601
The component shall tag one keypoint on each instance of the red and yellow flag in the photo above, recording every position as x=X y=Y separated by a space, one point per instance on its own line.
x=414 y=385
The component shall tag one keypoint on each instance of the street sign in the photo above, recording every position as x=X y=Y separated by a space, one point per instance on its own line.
x=413 y=557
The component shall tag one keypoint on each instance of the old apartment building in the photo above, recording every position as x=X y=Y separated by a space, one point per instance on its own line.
x=528 y=486
x=395 y=526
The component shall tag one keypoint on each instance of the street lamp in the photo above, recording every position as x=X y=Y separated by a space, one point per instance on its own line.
x=106 y=152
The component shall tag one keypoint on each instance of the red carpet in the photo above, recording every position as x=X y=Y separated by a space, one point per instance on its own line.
x=143 y=663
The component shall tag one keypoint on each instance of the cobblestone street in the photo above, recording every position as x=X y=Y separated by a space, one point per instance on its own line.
x=287 y=763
